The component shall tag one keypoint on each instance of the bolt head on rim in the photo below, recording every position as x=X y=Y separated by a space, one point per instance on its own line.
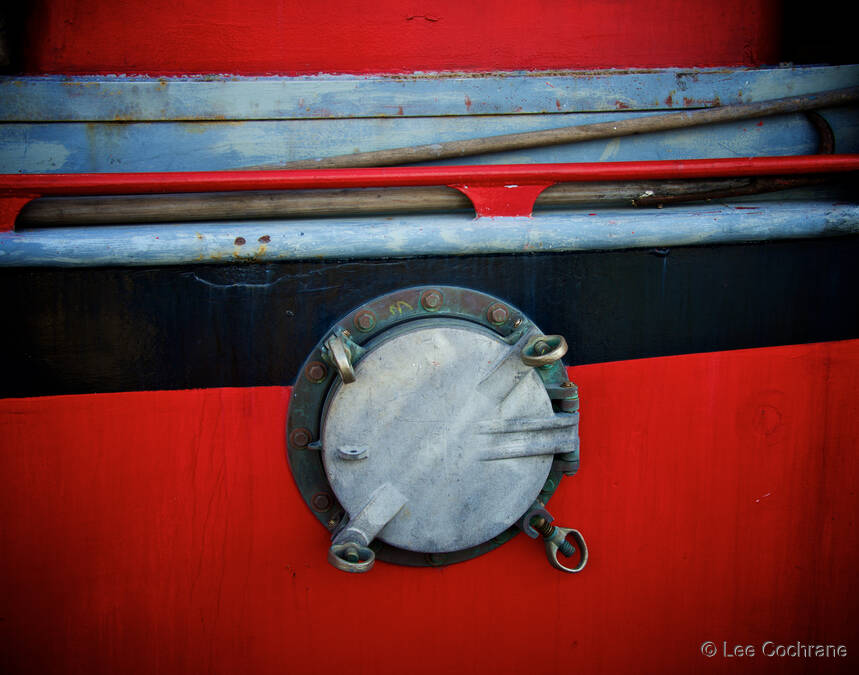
x=497 y=314
x=300 y=437
x=431 y=300
x=321 y=501
x=316 y=371
x=365 y=321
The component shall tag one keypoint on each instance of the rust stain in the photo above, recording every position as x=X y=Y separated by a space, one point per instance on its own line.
x=467 y=103
x=265 y=239
x=669 y=100
x=557 y=104
x=702 y=102
x=399 y=110
x=620 y=105
x=240 y=241
x=575 y=74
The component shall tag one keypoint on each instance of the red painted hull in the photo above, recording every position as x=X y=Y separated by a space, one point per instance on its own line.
x=161 y=531
x=162 y=37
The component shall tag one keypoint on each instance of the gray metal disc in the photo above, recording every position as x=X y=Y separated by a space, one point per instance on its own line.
x=432 y=403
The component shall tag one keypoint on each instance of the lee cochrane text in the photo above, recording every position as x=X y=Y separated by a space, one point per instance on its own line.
x=770 y=649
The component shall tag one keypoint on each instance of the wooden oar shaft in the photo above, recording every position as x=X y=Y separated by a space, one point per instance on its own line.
x=68 y=211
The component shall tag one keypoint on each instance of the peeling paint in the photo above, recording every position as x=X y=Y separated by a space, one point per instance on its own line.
x=125 y=99
x=367 y=238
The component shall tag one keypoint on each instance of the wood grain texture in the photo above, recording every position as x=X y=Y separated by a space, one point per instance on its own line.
x=60 y=211
x=161 y=532
x=216 y=98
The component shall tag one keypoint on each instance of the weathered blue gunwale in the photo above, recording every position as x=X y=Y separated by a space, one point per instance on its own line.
x=56 y=124
x=214 y=98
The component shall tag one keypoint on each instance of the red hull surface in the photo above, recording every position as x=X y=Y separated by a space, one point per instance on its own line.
x=161 y=532
x=272 y=36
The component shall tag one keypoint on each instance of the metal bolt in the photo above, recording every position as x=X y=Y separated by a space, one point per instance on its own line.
x=497 y=314
x=539 y=523
x=547 y=530
x=332 y=523
x=567 y=384
x=365 y=321
x=431 y=300
x=300 y=437
x=315 y=371
x=517 y=323
x=347 y=334
x=321 y=501
x=566 y=548
x=541 y=347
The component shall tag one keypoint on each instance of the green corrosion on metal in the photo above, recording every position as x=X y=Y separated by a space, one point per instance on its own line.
x=358 y=329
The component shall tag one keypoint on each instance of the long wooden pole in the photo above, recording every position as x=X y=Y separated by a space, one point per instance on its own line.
x=584 y=132
x=66 y=211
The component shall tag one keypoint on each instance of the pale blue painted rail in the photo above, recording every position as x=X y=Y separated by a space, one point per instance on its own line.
x=399 y=237
x=112 y=98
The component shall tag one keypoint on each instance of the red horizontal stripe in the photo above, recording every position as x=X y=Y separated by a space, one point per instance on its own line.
x=212 y=181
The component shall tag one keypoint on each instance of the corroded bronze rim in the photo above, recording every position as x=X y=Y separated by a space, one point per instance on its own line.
x=362 y=325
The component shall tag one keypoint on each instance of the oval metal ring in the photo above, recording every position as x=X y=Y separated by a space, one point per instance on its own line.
x=338 y=353
x=552 y=551
x=366 y=557
x=556 y=352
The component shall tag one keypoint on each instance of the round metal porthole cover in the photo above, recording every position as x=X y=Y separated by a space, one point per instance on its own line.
x=438 y=408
